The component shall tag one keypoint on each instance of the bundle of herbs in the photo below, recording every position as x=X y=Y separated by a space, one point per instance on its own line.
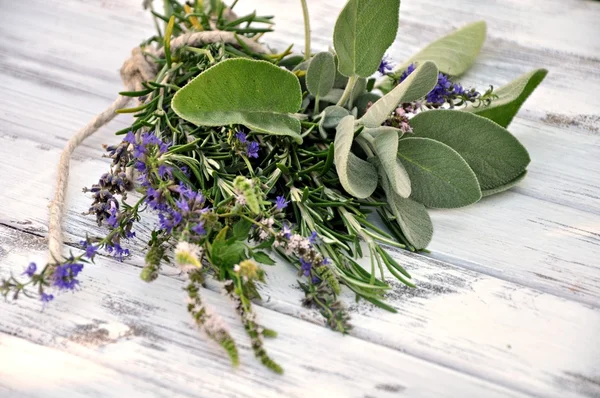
x=244 y=154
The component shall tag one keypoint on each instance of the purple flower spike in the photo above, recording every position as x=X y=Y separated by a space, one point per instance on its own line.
x=65 y=274
x=385 y=66
x=281 y=203
x=252 y=149
x=306 y=266
x=130 y=137
x=30 y=270
x=46 y=298
x=241 y=136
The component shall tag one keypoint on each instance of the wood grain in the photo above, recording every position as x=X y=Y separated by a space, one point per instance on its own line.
x=117 y=324
x=509 y=297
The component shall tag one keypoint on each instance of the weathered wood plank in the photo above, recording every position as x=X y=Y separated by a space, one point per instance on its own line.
x=498 y=330
x=545 y=228
x=117 y=324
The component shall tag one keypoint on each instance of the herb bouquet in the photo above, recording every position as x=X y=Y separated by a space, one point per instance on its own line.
x=243 y=153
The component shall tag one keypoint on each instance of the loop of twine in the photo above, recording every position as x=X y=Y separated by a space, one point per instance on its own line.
x=137 y=69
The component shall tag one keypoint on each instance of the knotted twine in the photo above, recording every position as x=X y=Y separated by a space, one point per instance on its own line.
x=137 y=69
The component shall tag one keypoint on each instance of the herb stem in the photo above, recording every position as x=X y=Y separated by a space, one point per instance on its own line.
x=348 y=91
x=306 y=30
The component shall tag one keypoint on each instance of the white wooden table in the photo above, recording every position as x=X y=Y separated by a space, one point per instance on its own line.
x=507 y=304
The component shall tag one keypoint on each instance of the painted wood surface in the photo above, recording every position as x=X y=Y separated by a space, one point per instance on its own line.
x=508 y=303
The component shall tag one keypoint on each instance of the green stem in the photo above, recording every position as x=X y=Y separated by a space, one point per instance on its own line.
x=348 y=90
x=306 y=30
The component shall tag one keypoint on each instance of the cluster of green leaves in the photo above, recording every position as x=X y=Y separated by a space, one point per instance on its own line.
x=320 y=122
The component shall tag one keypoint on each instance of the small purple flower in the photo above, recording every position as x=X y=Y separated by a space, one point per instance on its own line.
x=315 y=280
x=150 y=139
x=241 y=136
x=385 y=66
x=185 y=171
x=287 y=231
x=129 y=234
x=113 y=220
x=305 y=266
x=313 y=238
x=199 y=228
x=252 y=149
x=154 y=199
x=140 y=166
x=281 y=203
x=187 y=192
x=130 y=137
x=30 y=270
x=90 y=250
x=46 y=298
x=164 y=170
x=183 y=205
x=411 y=68
x=139 y=151
x=117 y=251
x=65 y=274
x=163 y=147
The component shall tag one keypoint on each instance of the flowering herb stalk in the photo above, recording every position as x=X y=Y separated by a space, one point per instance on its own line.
x=241 y=154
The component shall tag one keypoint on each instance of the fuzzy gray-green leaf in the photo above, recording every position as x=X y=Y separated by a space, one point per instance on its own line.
x=455 y=53
x=493 y=153
x=440 y=177
x=358 y=177
x=505 y=187
x=411 y=216
x=364 y=30
x=256 y=94
x=386 y=149
x=510 y=98
x=416 y=85
x=331 y=117
x=321 y=74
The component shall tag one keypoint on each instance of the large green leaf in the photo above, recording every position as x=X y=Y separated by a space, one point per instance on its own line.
x=505 y=187
x=411 y=216
x=358 y=177
x=455 y=53
x=386 y=149
x=256 y=94
x=331 y=117
x=510 y=98
x=321 y=74
x=363 y=32
x=415 y=86
x=440 y=176
x=493 y=153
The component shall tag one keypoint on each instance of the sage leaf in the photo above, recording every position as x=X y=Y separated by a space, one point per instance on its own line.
x=357 y=176
x=256 y=94
x=374 y=132
x=440 y=177
x=416 y=85
x=492 y=152
x=386 y=148
x=455 y=53
x=504 y=187
x=320 y=75
x=364 y=30
x=331 y=117
x=411 y=216
x=359 y=88
x=503 y=109
x=333 y=96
